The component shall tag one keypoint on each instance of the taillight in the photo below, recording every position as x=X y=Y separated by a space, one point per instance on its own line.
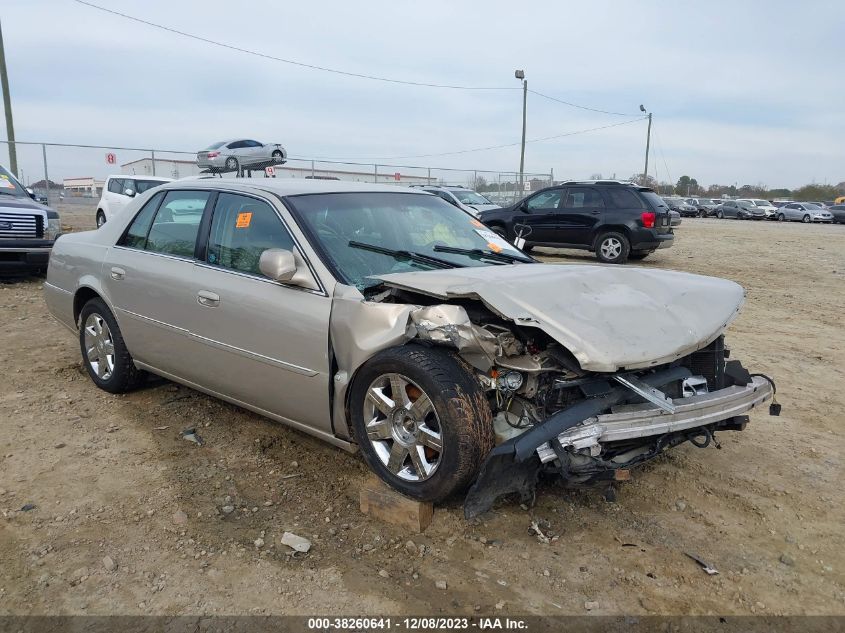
x=648 y=219
x=213 y=154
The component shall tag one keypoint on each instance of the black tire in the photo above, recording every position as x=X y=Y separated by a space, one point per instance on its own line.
x=636 y=255
x=702 y=214
x=232 y=164
x=720 y=215
x=464 y=420
x=781 y=217
x=806 y=219
x=101 y=218
x=604 y=243
x=278 y=157
x=124 y=376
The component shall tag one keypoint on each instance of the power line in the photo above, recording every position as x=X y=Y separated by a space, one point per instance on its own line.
x=292 y=62
x=482 y=149
x=575 y=105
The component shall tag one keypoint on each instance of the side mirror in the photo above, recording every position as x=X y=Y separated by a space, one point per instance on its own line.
x=277 y=264
x=129 y=192
x=30 y=192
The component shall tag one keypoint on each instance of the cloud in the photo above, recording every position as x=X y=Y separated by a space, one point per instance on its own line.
x=736 y=97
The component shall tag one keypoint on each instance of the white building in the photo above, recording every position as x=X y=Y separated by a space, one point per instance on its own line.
x=184 y=168
x=83 y=186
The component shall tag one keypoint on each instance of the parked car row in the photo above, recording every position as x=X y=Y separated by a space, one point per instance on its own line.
x=756 y=209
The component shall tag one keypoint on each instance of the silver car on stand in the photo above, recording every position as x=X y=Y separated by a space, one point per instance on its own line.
x=384 y=319
x=238 y=155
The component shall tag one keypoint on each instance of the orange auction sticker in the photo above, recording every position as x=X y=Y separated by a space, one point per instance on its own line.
x=244 y=219
x=477 y=223
x=494 y=247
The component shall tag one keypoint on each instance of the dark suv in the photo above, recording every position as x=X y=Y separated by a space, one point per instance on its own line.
x=615 y=220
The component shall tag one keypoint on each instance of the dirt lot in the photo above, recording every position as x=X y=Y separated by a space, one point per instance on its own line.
x=111 y=477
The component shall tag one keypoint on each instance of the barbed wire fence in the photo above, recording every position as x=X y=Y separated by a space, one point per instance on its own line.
x=79 y=171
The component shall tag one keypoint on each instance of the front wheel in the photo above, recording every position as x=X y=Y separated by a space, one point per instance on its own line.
x=104 y=352
x=421 y=421
x=806 y=219
x=613 y=248
x=781 y=217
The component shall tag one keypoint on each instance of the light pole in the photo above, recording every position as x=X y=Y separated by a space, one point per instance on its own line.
x=520 y=74
x=7 y=106
x=647 y=143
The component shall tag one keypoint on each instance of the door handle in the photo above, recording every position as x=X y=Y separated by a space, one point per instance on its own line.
x=117 y=273
x=208 y=299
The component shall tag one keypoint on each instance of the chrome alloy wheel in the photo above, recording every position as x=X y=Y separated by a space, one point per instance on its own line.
x=99 y=346
x=403 y=427
x=611 y=248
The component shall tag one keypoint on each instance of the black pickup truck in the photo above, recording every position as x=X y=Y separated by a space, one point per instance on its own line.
x=27 y=229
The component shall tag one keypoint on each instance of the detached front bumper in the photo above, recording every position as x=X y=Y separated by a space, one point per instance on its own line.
x=644 y=420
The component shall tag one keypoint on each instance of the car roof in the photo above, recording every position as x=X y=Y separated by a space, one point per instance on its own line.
x=291 y=186
x=139 y=177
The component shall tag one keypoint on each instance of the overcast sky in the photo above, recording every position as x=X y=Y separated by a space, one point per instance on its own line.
x=745 y=92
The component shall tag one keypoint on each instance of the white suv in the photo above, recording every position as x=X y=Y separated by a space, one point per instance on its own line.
x=119 y=191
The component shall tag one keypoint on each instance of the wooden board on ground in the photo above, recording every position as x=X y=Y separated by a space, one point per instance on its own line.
x=382 y=502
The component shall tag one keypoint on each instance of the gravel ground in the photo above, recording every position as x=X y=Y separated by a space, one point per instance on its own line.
x=129 y=518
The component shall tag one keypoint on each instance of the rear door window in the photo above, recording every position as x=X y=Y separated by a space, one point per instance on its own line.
x=136 y=234
x=176 y=225
x=583 y=198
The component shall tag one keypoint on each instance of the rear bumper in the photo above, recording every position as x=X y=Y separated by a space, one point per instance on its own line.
x=21 y=256
x=646 y=420
x=652 y=241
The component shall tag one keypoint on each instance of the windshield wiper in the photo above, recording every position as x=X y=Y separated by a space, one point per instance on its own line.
x=482 y=254
x=403 y=254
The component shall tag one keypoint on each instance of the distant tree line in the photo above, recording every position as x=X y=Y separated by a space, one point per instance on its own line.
x=687 y=185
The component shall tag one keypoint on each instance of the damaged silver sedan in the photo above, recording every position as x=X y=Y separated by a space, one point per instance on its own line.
x=385 y=319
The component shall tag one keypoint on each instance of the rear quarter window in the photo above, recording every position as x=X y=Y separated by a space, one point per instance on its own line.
x=623 y=199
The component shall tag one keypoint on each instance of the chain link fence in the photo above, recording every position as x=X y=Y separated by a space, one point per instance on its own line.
x=76 y=173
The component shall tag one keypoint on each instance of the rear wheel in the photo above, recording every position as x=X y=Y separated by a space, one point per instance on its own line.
x=613 y=248
x=232 y=164
x=421 y=421
x=720 y=215
x=104 y=352
x=277 y=156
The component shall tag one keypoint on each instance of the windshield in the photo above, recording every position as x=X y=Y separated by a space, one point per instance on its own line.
x=9 y=184
x=216 y=145
x=809 y=206
x=762 y=203
x=343 y=225
x=470 y=197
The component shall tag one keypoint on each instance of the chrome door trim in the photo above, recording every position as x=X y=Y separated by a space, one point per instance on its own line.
x=274 y=362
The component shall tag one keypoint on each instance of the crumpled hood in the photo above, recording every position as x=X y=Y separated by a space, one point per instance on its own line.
x=609 y=317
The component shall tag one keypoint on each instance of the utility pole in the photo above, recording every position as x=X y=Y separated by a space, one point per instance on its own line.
x=520 y=74
x=647 y=144
x=7 y=104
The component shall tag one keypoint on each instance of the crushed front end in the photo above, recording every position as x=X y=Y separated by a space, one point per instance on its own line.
x=589 y=428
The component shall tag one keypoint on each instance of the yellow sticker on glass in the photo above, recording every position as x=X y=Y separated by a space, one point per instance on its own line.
x=477 y=223
x=244 y=220
x=494 y=247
